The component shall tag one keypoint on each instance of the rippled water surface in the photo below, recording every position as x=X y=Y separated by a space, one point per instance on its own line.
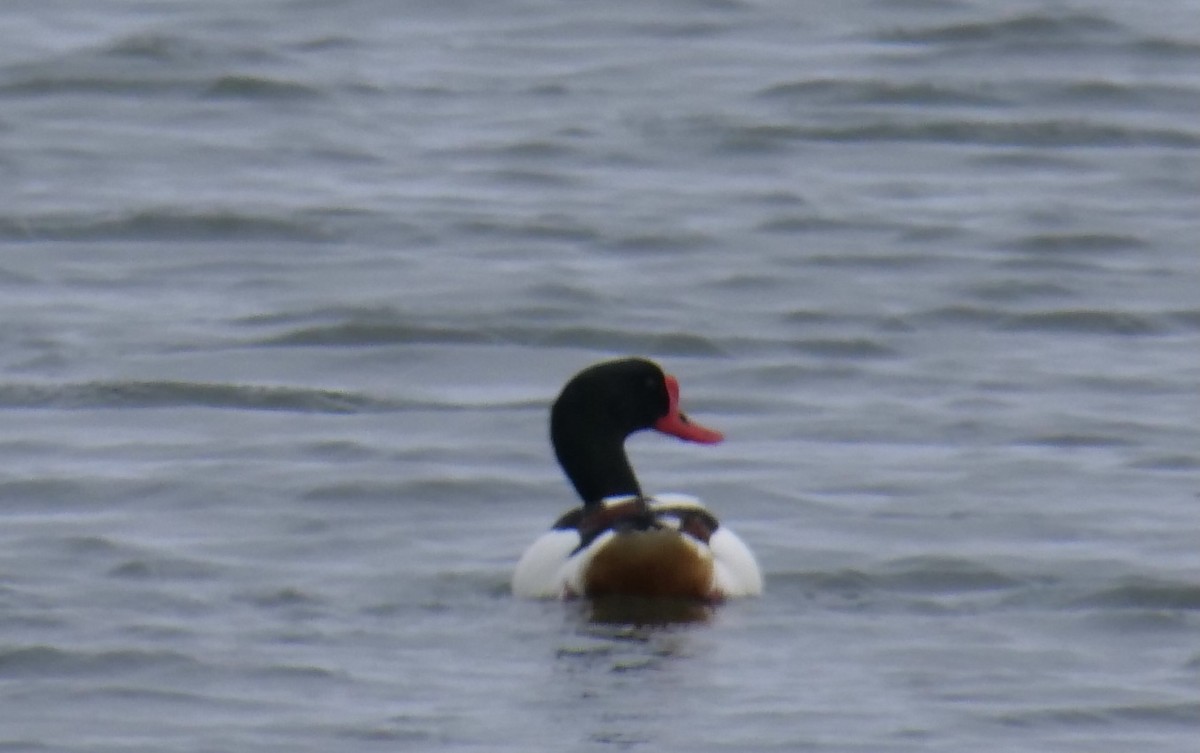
x=286 y=288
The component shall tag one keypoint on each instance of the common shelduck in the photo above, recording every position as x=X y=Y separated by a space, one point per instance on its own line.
x=621 y=542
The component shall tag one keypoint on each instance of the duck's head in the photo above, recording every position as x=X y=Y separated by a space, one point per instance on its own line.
x=600 y=407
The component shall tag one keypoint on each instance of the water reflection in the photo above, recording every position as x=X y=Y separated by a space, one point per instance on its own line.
x=645 y=612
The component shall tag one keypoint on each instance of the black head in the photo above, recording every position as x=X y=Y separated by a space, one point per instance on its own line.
x=599 y=408
x=613 y=398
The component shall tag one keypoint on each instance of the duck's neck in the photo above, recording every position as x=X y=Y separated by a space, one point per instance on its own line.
x=596 y=465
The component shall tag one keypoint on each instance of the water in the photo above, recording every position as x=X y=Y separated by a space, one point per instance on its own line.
x=287 y=288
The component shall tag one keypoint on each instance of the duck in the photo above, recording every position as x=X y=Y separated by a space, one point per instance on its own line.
x=620 y=542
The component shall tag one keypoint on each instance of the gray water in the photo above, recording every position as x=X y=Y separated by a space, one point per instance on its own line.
x=286 y=288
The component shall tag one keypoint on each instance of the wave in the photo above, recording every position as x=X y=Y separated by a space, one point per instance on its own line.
x=1183 y=714
x=1071 y=243
x=258 y=87
x=455 y=491
x=21 y=489
x=1020 y=31
x=767 y=138
x=933 y=574
x=1167 y=48
x=924 y=94
x=1171 y=463
x=164 y=224
x=1043 y=33
x=1019 y=290
x=561 y=229
x=1087 y=322
x=1053 y=321
x=283 y=598
x=667 y=343
x=847 y=347
x=1188 y=319
x=877 y=91
x=800 y=332
x=1145 y=593
x=41 y=660
x=941 y=583
x=230 y=86
x=162 y=568
x=157 y=48
x=1104 y=92
x=929 y=575
x=156 y=64
x=1034 y=133
x=177 y=394
x=163 y=48
x=1073 y=440
x=365 y=333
